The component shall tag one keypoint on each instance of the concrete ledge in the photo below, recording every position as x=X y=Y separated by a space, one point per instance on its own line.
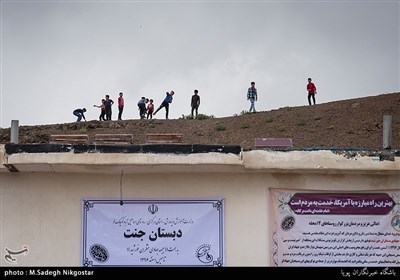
x=129 y=163
x=326 y=162
x=164 y=138
x=3 y=159
x=125 y=149
x=188 y=158
x=69 y=139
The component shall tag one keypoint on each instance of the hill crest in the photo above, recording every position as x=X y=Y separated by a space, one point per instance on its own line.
x=352 y=123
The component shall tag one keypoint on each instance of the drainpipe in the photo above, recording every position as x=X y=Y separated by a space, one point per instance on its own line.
x=387 y=132
x=14 y=131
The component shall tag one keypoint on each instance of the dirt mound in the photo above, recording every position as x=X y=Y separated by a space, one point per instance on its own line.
x=353 y=123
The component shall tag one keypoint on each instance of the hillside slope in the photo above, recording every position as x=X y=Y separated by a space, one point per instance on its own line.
x=353 y=123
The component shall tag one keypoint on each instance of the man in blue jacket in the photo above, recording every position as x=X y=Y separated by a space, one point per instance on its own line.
x=80 y=114
x=165 y=103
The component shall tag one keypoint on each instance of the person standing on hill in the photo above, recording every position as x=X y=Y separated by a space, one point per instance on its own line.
x=150 y=109
x=252 y=96
x=195 y=102
x=312 y=91
x=80 y=114
x=103 y=110
x=120 y=106
x=107 y=105
x=142 y=107
x=165 y=103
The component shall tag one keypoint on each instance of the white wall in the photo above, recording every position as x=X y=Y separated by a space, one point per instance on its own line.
x=43 y=210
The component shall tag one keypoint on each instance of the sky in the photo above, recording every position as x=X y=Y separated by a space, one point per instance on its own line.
x=57 y=56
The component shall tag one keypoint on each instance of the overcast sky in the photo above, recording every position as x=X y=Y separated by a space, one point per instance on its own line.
x=57 y=56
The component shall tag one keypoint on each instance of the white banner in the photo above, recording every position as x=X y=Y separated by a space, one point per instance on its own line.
x=335 y=229
x=177 y=232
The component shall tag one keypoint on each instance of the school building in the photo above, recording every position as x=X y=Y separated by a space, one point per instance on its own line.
x=49 y=215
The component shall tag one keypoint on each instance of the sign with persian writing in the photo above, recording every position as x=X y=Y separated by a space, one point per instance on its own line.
x=335 y=229
x=176 y=232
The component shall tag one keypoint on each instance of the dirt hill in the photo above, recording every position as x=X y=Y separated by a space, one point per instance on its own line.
x=353 y=123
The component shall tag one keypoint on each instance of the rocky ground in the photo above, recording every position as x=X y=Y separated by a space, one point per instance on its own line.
x=352 y=123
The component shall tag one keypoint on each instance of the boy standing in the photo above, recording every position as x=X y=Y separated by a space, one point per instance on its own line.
x=312 y=90
x=107 y=105
x=252 y=96
x=195 y=102
x=103 y=110
x=120 y=106
x=150 y=109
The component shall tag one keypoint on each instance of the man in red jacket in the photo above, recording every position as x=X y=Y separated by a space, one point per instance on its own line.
x=312 y=90
x=120 y=106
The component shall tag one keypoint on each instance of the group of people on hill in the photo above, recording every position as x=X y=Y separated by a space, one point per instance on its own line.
x=105 y=107
x=147 y=111
x=252 y=94
x=143 y=110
